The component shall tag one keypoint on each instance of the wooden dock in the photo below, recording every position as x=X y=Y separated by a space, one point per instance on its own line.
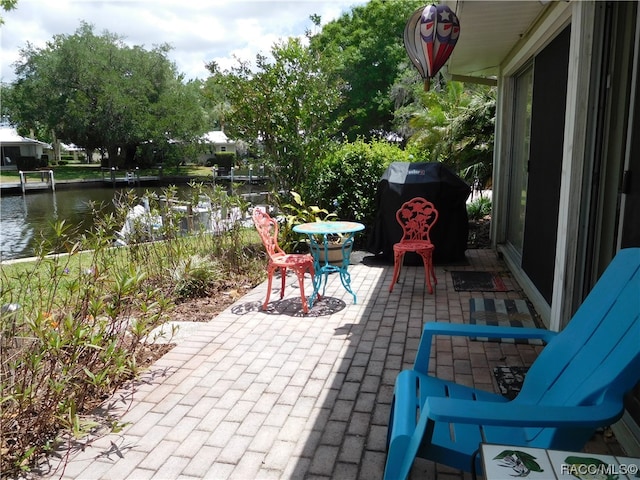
x=46 y=181
x=39 y=180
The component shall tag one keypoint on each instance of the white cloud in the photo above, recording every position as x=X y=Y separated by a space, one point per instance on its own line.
x=199 y=31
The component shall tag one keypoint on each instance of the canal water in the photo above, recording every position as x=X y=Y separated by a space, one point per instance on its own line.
x=25 y=218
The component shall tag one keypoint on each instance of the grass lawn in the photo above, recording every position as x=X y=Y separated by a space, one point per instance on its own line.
x=51 y=276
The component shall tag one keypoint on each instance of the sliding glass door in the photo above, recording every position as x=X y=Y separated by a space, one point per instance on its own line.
x=523 y=92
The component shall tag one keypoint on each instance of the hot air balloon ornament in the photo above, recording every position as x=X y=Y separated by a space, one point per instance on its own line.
x=429 y=37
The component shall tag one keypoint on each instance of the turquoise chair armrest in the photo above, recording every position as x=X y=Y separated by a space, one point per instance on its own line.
x=512 y=414
x=432 y=329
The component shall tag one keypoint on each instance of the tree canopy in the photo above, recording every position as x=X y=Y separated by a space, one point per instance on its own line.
x=352 y=81
x=97 y=92
x=365 y=48
x=284 y=107
x=7 y=5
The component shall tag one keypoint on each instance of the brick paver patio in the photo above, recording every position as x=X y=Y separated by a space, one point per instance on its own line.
x=277 y=394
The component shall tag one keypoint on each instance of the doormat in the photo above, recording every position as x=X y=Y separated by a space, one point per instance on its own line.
x=510 y=380
x=473 y=281
x=503 y=313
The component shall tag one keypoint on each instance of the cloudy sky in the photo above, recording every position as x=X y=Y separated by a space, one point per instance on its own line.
x=199 y=31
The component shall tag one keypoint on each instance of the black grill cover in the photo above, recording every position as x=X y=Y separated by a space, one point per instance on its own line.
x=434 y=182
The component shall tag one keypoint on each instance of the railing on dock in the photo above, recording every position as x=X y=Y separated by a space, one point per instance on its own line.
x=46 y=179
x=240 y=175
x=131 y=177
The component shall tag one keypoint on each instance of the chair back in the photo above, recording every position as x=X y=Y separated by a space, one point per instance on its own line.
x=268 y=230
x=416 y=217
x=597 y=356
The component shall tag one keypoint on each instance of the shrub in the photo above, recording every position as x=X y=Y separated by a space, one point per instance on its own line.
x=347 y=181
x=81 y=320
x=27 y=163
x=73 y=326
x=479 y=208
x=224 y=160
x=196 y=276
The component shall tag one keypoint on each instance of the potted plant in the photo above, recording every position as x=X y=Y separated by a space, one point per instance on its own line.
x=298 y=212
x=334 y=249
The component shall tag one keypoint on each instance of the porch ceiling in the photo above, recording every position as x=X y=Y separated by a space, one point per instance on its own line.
x=489 y=30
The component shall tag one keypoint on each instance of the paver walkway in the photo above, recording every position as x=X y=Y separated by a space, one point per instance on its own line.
x=276 y=394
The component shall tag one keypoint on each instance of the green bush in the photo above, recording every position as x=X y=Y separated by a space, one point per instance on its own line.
x=70 y=158
x=30 y=163
x=479 y=208
x=196 y=276
x=224 y=160
x=74 y=338
x=347 y=181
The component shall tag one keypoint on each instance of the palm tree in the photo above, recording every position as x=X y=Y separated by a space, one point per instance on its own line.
x=472 y=132
x=452 y=123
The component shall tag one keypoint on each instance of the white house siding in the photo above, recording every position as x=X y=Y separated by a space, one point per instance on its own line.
x=11 y=143
x=214 y=142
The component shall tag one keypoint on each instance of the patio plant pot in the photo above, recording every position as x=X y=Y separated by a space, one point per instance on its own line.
x=335 y=254
x=334 y=251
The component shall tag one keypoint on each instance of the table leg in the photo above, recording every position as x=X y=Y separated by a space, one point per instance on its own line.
x=316 y=280
x=345 y=276
x=323 y=269
x=314 y=246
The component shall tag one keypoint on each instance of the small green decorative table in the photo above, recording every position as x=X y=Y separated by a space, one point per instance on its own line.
x=320 y=237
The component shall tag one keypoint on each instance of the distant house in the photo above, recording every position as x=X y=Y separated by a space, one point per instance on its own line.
x=14 y=146
x=216 y=141
x=217 y=150
x=72 y=149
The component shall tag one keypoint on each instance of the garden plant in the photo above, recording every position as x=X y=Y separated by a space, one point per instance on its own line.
x=82 y=318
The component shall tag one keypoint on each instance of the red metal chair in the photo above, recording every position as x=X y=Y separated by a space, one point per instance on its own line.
x=416 y=217
x=300 y=263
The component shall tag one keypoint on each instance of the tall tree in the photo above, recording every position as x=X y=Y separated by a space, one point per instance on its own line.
x=215 y=101
x=284 y=107
x=97 y=92
x=365 y=47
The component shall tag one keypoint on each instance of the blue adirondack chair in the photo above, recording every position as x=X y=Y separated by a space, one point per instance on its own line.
x=575 y=386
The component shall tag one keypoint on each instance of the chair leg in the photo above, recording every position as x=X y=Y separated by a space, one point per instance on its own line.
x=428 y=267
x=305 y=304
x=283 y=276
x=315 y=285
x=398 y=258
x=427 y=274
x=269 y=280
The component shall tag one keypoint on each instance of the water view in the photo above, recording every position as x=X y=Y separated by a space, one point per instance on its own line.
x=25 y=218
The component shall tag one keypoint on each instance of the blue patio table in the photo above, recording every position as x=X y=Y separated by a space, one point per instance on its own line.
x=320 y=236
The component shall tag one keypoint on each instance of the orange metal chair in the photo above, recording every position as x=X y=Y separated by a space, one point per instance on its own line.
x=416 y=217
x=268 y=229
